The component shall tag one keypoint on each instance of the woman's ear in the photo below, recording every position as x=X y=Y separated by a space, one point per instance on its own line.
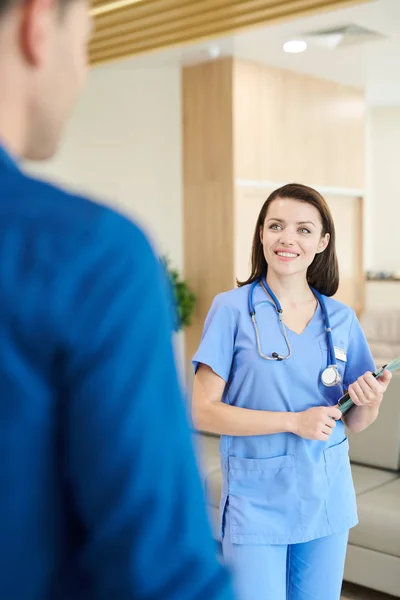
x=261 y=233
x=324 y=243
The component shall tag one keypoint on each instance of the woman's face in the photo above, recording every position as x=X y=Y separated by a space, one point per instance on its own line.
x=292 y=236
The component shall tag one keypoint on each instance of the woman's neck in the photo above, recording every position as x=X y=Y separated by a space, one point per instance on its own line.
x=292 y=289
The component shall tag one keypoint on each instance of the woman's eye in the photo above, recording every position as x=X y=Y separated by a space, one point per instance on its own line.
x=278 y=226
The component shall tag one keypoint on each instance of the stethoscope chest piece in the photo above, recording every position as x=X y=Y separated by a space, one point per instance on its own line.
x=331 y=376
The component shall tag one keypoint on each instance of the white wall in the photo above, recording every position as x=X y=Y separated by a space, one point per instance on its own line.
x=123 y=146
x=381 y=60
x=382 y=210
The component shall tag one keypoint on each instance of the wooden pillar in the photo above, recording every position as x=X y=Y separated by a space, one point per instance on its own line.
x=208 y=186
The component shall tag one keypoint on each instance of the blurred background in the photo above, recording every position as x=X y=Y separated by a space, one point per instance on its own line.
x=194 y=112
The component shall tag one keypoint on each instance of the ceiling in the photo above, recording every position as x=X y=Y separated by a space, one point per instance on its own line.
x=131 y=27
x=371 y=64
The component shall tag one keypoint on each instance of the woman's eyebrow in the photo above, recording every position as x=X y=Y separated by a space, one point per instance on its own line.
x=298 y=222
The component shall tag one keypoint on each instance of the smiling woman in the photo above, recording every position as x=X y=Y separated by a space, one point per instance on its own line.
x=275 y=356
x=295 y=226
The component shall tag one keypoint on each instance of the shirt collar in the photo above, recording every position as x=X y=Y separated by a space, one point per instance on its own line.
x=6 y=161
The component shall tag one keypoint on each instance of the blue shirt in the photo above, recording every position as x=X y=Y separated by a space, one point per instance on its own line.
x=281 y=488
x=99 y=492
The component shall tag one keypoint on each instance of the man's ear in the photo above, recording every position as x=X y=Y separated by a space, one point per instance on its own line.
x=37 y=29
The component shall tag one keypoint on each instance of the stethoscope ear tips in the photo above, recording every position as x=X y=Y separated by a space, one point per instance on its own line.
x=276 y=356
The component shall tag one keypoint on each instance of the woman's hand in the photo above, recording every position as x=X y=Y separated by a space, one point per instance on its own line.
x=316 y=423
x=368 y=391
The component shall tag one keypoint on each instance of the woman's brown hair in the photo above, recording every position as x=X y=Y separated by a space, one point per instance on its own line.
x=323 y=273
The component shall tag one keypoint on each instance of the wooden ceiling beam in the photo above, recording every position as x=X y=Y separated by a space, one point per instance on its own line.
x=196 y=24
x=202 y=12
x=148 y=25
x=171 y=15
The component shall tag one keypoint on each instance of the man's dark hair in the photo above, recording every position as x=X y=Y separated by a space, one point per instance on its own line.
x=5 y=5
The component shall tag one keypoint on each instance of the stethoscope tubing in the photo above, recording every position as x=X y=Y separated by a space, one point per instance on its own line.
x=331 y=348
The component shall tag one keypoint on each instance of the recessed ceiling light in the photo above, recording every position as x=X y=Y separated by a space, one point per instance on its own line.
x=295 y=46
x=214 y=51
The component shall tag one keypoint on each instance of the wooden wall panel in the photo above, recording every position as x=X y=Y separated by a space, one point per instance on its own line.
x=292 y=127
x=208 y=185
x=248 y=203
x=247 y=122
x=130 y=27
x=347 y=214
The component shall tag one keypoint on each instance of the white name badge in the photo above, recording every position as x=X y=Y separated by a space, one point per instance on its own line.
x=340 y=354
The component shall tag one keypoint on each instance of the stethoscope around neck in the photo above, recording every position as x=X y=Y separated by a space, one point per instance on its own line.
x=330 y=375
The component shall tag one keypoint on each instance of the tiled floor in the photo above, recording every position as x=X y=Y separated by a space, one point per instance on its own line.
x=352 y=592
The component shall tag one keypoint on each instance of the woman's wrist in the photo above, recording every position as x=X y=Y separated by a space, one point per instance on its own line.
x=289 y=422
x=277 y=422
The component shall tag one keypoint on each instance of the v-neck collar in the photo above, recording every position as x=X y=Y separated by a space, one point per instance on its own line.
x=310 y=324
x=313 y=326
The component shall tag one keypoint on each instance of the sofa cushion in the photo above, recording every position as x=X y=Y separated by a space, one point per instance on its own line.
x=383 y=353
x=214 y=487
x=207 y=449
x=379 y=515
x=382 y=326
x=367 y=479
x=379 y=444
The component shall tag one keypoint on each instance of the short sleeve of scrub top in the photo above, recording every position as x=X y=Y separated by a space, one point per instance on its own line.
x=218 y=340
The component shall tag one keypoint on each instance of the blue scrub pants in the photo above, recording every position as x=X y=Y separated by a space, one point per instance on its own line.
x=309 y=571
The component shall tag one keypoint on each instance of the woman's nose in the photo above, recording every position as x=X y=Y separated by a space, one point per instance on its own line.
x=287 y=237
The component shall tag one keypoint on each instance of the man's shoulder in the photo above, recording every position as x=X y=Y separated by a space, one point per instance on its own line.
x=65 y=216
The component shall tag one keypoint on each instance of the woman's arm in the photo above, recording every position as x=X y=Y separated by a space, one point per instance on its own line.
x=209 y=413
x=367 y=394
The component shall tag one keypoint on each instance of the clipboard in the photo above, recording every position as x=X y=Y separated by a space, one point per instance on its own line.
x=345 y=403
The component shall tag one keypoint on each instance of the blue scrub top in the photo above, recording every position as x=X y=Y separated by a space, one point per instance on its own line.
x=282 y=489
x=99 y=492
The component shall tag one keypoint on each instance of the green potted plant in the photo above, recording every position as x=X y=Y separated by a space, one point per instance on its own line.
x=184 y=298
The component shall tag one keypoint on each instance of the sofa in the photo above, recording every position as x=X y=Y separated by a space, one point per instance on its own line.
x=373 y=557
